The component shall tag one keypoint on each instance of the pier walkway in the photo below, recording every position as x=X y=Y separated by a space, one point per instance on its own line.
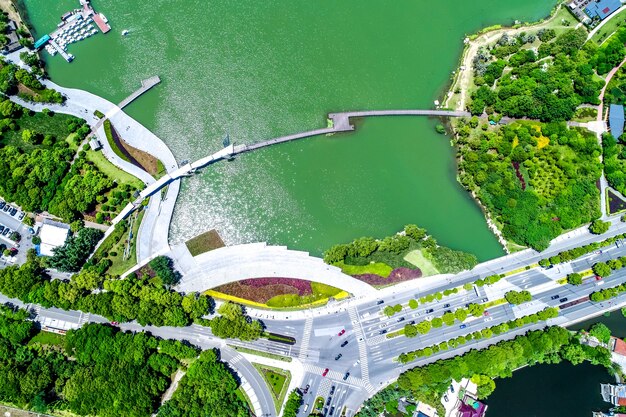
x=65 y=55
x=146 y=84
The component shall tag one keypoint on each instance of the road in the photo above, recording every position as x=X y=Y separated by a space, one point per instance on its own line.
x=369 y=357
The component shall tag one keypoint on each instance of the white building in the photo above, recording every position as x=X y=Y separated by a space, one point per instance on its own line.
x=52 y=234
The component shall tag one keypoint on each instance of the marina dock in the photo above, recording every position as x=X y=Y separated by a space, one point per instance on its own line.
x=146 y=84
x=65 y=55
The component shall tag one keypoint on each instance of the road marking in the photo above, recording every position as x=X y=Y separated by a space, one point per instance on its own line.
x=306 y=338
x=358 y=333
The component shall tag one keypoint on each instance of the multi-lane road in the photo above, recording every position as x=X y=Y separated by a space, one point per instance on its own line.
x=368 y=361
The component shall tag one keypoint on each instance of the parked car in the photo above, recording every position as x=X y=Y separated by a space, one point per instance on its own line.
x=6 y=231
x=345 y=342
x=342 y=332
x=13 y=211
x=332 y=390
x=445 y=398
x=325 y=372
x=338 y=357
x=328 y=400
x=6 y=208
x=1 y=228
x=562 y=300
x=332 y=410
x=22 y=215
x=484 y=300
x=447 y=311
x=451 y=388
x=2 y=204
x=345 y=377
x=554 y=297
x=114 y=323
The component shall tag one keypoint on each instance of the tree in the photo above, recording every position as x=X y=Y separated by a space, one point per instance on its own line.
x=518 y=297
x=601 y=332
x=410 y=330
x=293 y=404
x=164 y=269
x=72 y=255
x=423 y=326
x=601 y=269
x=599 y=227
x=413 y=304
x=476 y=310
x=574 y=278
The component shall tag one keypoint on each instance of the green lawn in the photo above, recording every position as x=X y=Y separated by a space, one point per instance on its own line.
x=261 y=353
x=320 y=292
x=615 y=22
x=205 y=242
x=113 y=172
x=277 y=380
x=377 y=268
x=48 y=338
x=562 y=18
x=417 y=258
x=121 y=265
x=50 y=125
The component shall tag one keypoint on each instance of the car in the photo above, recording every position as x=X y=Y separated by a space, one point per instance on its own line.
x=358 y=361
x=430 y=310
x=114 y=323
x=467 y=305
x=345 y=342
x=325 y=411
x=484 y=300
x=332 y=410
x=345 y=377
x=401 y=319
x=332 y=390
x=445 y=398
x=598 y=278
x=13 y=211
x=488 y=318
x=562 y=300
x=412 y=322
x=599 y=283
x=325 y=372
x=342 y=332
x=447 y=311
x=338 y=357
x=306 y=389
x=379 y=302
x=451 y=388
x=462 y=326
x=2 y=204
x=6 y=231
x=486 y=313
x=328 y=400
x=21 y=217
x=446 y=305
x=554 y=297
x=383 y=331
x=6 y=208
x=1 y=228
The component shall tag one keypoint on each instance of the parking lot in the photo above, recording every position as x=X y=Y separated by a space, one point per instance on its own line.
x=10 y=221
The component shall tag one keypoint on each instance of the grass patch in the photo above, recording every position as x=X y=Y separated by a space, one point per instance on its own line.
x=585 y=114
x=377 y=268
x=261 y=353
x=108 y=131
x=113 y=172
x=417 y=258
x=494 y=303
x=277 y=380
x=244 y=397
x=48 y=338
x=205 y=242
x=121 y=265
x=395 y=334
x=39 y=122
x=321 y=294
x=610 y=27
x=98 y=114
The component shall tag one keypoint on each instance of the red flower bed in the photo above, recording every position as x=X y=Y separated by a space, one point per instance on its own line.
x=520 y=177
x=303 y=287
x=397 y=275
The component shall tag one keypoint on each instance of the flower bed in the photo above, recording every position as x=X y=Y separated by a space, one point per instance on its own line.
x=261 y=290
x=397 y=275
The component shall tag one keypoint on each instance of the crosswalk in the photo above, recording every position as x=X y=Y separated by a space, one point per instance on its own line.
x=84 y=319
x=306 y=338
x=358 y=333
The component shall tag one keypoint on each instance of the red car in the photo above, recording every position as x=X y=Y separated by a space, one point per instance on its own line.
x=325 y=372
x=598 y=277
x=114 y=323
x=342 y=332
x=486 y=313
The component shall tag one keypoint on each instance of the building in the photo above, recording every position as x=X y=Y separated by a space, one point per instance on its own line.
x=616 y=120
x=601 y=9
x=95 y=144
x=614 y=394
x=470 y=407
x=425 y=410
x=52 y=234
x=42 y=41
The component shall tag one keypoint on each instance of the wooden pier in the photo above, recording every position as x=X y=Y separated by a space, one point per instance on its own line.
x=146 y=84
x=68 y=57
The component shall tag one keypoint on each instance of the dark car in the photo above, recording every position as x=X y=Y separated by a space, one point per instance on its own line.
x=6 y=208
x=554 y=297
x=325 y=411
x=467 y=305
x=446 y=305
x=2 y=204
x=345 y=377
x=21 y=217
x=462 y=326
x=345 y=342
x=430 y=310
x=447 y=311
x=1 y=229
x=332 y=390
x=332 y=410
x=562 y=300
x=306 y=389
x=484 y=300
x=6 y=231
x=451 y=388
x=338 y=357
x=13 y=211
x=383 y=331
x=379 y=302
x=445 y=397
x=412 y=322
x=401 y=319
x=328 y=400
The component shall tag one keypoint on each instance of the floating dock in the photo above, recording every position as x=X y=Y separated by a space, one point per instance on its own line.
x=102 y=25
x=68 y=57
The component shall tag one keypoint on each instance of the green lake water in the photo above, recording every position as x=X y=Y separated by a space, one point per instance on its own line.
x=258 y=70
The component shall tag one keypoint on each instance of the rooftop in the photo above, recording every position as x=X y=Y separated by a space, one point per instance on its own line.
x=602 y=8
x=52 y=234
x=616 y=120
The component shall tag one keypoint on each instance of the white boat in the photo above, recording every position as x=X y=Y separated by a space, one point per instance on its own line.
x=103 y=17
x=125 y=32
